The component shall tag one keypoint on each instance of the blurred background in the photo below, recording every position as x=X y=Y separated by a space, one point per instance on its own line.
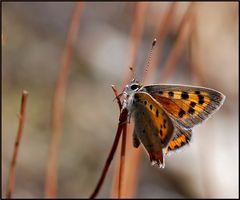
x=33 y=39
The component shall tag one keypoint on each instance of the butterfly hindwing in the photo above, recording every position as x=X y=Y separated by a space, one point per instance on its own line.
x=160 y=119
x=181 y=138
x=153 y=127
x=187 y=105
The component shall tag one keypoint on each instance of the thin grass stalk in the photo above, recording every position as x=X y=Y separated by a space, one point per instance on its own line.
x=117 y=97
x=107 y=163
x=121 y=126
x=161 y=33
x=123 y=146
x=122 y=161
x=22 y=116
x=129 y=177
x=58 y=103
x=194 y=64
x=135 y=37
x=183 y=32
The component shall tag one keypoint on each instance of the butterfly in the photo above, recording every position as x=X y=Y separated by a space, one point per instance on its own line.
x=164 y=115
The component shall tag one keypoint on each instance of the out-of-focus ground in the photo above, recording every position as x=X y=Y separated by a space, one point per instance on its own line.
x=33 y=40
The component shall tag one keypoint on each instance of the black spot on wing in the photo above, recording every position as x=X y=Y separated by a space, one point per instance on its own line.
x=182 y=143
x=200 y=99
x=191 y=110
x=181 y=113
x=161 y=133
x=193 y=104
x=164 y=123
x=170 y=94
x=184 y=95
x=151 y=107
x=197 y=92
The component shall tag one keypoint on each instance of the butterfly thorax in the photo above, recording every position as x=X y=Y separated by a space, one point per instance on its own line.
x=128 y=93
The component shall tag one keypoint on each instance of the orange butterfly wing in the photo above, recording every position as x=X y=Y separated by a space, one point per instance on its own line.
x=153 y=127
x=181 y=138
x=187 y=105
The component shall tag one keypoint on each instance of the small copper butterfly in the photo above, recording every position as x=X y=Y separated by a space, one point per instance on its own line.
x=164 y=115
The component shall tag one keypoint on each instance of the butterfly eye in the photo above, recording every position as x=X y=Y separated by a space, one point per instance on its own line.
x=134 y=87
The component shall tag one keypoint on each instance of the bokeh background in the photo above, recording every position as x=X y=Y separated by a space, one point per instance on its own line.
x=33 y=39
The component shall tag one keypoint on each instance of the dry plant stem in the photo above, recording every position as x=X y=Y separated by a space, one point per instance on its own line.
x=117 y=96
x=135 y=36
x=162 y=31
x=193 y=47
x=122 y=160
x=121 y=125
x=3 y=40
x=58 y=103
x=16 y=146
x=166 y=23
x=176 y=51
x=129 y=175
x=123 y=146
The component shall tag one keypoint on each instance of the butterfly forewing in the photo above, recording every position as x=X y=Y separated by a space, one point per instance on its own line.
x=187 y=105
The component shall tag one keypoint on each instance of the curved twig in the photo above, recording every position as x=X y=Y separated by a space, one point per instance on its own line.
x=121 y=124
x=58 y=104
x=17 y=143
x=183 y=32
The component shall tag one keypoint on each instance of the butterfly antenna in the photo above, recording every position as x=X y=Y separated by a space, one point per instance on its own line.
x=133 y=72
x=149 y=58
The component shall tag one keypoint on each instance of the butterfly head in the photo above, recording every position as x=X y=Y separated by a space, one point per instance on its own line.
x=131 y=88
x=128 y=93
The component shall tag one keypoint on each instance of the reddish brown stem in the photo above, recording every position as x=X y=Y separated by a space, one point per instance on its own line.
x=134 y=41
x=135 y=36
x=122 y=160
x=117 y=97
x=194 y=63
x=161 y=32
x=121 y=124
x=123 y=147
x=17 y=144
x=58 y=103
x=176 y=51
